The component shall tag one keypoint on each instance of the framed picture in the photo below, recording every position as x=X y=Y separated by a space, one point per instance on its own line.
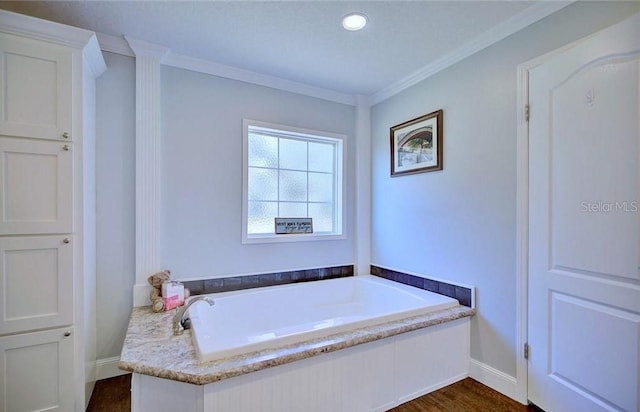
x=416 y=145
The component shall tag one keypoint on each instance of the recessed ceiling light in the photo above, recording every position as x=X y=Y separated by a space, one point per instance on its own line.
x=354 y=21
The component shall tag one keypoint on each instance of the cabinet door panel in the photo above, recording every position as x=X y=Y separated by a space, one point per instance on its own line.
x=37 y=371
x=36 y=289
x=35 y=187
x=35 y=89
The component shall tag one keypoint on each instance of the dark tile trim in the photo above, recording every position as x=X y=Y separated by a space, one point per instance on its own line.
x=462 y=294
x=204 y=286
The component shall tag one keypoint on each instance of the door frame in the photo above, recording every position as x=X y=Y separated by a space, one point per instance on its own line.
x=522 y=212
x=522 y=228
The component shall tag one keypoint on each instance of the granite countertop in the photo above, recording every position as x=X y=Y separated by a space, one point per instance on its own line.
x=150 y=348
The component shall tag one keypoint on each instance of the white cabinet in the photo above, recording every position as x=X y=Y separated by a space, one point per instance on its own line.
x=37 y=371
x=36 y=283
x=36 y=186
x=35 y=88
x=47 y=235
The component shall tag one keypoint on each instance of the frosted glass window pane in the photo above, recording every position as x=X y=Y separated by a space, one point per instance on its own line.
x=321 y=157
x=322 y=214
x=293 y=154
x=291 y=174
x=263 y=151
x=293 y=186
x=293 y=209
x=320 y=187
x=263 y=184
x=260 y=217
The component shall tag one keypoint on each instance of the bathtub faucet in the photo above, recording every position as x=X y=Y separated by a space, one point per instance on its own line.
x=180 y=323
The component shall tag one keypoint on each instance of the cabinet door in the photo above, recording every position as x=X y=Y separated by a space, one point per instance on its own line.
x=35 y=186
x=36 y=283
x=35 y=89
x=36 y=371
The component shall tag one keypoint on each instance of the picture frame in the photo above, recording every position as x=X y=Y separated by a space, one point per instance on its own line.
x=416 y=145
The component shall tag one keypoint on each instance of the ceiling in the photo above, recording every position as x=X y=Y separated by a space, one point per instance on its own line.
x=301 y=41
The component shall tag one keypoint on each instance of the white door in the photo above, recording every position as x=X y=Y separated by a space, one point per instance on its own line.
x=35 y=89
x=36 y=179
x=37 y=371
x=584 y=261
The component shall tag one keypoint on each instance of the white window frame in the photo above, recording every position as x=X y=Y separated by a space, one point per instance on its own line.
x=340 y=193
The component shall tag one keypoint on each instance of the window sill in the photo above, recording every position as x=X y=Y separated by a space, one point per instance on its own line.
x=269 y=238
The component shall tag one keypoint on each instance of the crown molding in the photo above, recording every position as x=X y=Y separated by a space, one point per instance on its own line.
x=247 y=76
x=132 y=47
x=127 y=46
x=516 y=23
x=143 y=48
x=114 y=44
x=93 y=57
x=46 y=30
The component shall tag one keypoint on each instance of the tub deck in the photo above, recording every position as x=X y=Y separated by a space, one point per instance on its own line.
x=151 y=349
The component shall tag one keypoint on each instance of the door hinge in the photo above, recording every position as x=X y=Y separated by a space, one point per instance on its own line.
x=527 y=112
x=526 y=351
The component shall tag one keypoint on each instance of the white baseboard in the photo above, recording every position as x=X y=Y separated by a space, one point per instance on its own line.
x=430 y=389
x=493 y=378
x=108 y=368
x=424 y=391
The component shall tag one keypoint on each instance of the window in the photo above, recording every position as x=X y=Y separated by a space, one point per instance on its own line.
x=289 y=172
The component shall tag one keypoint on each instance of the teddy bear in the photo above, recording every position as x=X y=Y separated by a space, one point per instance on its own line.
x=156 y=280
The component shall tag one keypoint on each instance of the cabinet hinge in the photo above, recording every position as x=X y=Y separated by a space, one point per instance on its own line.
x=526 y=351
x=527 y=112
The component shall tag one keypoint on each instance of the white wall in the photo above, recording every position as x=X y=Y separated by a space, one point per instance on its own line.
x=115 y=185
x=200 y=229
x=201 y=183
x=459 y=224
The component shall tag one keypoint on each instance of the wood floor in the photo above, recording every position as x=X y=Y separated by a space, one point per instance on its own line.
x=466 y=395
x=113 y=395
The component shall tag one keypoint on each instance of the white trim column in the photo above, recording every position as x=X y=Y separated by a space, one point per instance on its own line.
x=148 y=134
x=363 y=185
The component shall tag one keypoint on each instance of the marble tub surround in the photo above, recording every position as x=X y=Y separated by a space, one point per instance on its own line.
x=462 y=294
x=150 y=348
x=228 y=284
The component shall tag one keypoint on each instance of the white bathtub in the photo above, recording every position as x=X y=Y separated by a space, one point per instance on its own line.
x=251 y=320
